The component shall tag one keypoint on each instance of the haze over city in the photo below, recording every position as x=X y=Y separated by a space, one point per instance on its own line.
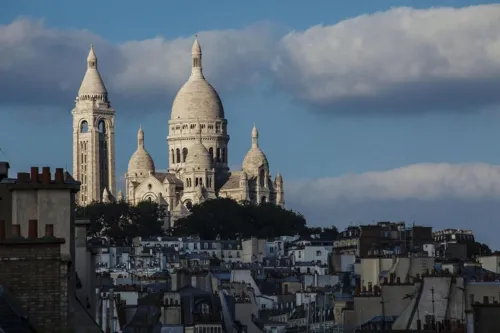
x=378 y=110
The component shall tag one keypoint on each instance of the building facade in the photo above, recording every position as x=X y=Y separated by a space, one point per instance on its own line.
x=198 y=151
x=93 y=137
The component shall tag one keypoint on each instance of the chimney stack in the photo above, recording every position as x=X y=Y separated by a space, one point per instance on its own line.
x=33 y=229
x=59 y=176
x=2 y=229
x=4 y=170
x=16 y=230
x=46 y=175
x=34 y=174
x=49 y=230
x=23 y=176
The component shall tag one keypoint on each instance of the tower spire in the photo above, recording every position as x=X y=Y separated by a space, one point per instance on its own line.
x=140 y=137
x=255 y=137
x=92 y=86
x=196 y=66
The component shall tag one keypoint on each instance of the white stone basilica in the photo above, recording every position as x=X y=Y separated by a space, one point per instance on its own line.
x=197 y=148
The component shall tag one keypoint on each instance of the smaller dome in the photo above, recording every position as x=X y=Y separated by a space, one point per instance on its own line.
x=141 y=162
x=255 y=159
x=199 y=156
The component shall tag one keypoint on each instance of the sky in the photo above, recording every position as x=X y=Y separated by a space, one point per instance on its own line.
x=371 y=110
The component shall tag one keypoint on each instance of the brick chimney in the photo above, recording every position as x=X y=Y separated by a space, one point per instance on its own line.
x=4 y=170
x=34 y=174
x=49 y=230
x=2 y=229
x=59 y=176
x=16 y=231
x=46 y=175
x=33 y=229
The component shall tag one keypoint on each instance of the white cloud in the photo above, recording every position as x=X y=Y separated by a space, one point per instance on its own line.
x=426 y=181
x=43 y=65
x=440 y=195
x=403 y=55
x=399 y=59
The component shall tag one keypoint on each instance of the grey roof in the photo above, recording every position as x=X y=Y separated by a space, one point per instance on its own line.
x=232 y=183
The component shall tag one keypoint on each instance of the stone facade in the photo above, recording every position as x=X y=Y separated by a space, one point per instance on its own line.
x=93 y=137
x=34 y=272
x=198 y=155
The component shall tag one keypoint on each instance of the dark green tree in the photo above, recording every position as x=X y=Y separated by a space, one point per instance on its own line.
x=120 y=220
x=228 y=219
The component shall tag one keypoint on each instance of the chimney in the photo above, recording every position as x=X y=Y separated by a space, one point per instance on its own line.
x=4 y=170
x=59 y=176
x=46 y=175
x=370 y=288
x=49 y=230
x=385 y=280
x=34 y=174
x=16 y=231
x=391 y=278
x=33 y=229
x=2 y=229
x=23 y=176
x=398 y=280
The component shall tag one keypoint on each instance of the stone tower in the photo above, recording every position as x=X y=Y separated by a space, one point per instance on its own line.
x=93 y=137
x=198 y=104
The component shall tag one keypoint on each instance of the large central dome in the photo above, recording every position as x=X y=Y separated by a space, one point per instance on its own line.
x=197 y=99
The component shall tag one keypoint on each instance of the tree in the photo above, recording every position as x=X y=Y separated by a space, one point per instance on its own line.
x=228 y=219
x=477 y=249
x=120 y=220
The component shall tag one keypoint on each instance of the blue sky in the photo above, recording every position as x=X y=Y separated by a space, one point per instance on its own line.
x=370 y=111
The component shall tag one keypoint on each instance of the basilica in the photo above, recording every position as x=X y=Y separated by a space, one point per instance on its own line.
x=198 y=150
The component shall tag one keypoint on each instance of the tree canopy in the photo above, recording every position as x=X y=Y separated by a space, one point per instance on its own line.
x=121 y=220
x=228 y=219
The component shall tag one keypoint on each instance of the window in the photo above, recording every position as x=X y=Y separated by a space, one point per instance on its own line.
x=318 y=253
x=84 y=127
x=206 y=245
x=101 y=127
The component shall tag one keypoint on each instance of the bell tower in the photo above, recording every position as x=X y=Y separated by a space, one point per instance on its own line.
x=93 y=137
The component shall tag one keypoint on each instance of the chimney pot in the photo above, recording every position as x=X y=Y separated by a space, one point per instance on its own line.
x=59 y=176
x=33 y=229
x=49 y=230
x=16 y=230
x=34 y=174
x=2 y=229
x=46 y=175
x=23 y=176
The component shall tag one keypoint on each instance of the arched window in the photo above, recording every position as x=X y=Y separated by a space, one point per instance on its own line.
x=84 y=127
x=178 y=155
x=184 y=154
x=224 y=155
x=262 y=177
x=217 y=158
x=101 y=126
x=189 y=205
x=196 y=182
x=211 y=151
x=173 y=156
x=264 y=199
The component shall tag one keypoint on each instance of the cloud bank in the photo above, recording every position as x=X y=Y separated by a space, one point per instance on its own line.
x=399 y=60
x=435 y=194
